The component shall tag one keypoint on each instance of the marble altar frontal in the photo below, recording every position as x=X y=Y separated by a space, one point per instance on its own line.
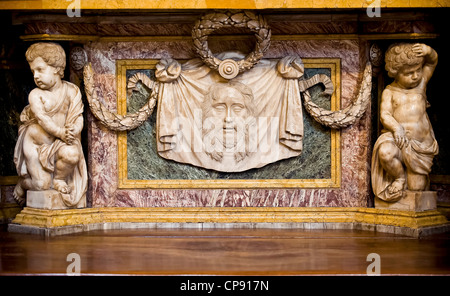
x=135 y=168
x=155 y=166
x=234 y=109
x=194 y=115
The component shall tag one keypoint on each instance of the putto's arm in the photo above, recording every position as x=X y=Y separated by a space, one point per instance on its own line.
x=430 y=56
x=45 y=121
x=386 y=117
x=388 y=120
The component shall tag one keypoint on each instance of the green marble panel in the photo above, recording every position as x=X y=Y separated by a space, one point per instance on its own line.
x=144 y=163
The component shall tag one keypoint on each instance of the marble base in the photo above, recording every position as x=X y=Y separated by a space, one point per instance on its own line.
x=70 y=229
x=49 y=200
x=57 y=222
x=417 y=201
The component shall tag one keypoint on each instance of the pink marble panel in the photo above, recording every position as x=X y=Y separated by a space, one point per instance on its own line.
x=355 y=140
x=279 y=27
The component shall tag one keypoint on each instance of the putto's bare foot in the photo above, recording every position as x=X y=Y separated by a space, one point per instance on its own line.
x=396 y=189
x=61 y=186
x=19 y=194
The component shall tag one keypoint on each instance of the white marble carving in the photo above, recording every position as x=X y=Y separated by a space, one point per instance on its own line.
x=235 y=125
x=48 y=153
x=403 y=154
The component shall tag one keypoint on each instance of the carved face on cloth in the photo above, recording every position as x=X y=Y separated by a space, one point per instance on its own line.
x=247 y=122
x=227 y=114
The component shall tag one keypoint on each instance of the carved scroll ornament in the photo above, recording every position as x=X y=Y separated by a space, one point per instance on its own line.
x=246 y=117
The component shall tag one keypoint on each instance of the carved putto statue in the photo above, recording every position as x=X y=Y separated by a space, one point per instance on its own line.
x=403 y=154
x=48 y=153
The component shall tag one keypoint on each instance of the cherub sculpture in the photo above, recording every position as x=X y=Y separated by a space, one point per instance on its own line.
x=403 y=154
x=48 y=153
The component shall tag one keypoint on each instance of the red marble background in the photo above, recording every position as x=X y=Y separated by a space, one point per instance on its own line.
x=355 y=141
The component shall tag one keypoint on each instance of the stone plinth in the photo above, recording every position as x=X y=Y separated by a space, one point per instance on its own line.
x=417 y=201
x=58 y=222
x=49 y=200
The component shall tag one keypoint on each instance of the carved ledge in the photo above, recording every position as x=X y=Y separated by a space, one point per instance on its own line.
x=57 y=222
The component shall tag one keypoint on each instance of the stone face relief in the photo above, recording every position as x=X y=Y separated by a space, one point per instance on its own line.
x=403 y=154
x=48 y=153
x=230 y=125
x=230 y=112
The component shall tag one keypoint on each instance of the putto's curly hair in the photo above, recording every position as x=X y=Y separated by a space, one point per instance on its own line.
x=53 y=54
x=399 y=55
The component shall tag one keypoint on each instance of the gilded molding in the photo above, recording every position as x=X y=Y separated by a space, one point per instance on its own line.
x=332 y=215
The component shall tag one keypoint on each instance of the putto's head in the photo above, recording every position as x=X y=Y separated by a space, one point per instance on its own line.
x=400 y=56
x=51 y=53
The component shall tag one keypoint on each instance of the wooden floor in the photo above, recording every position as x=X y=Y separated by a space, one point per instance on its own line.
x=224 y=252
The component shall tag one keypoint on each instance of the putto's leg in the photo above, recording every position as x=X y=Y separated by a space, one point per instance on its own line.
x=390 y=155
x=39 y=179
x=67 y=157
x=19 y=191
x=417 y=182
x=390 y=160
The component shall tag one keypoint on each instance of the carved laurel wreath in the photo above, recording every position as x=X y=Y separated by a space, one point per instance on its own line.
x=245 y=19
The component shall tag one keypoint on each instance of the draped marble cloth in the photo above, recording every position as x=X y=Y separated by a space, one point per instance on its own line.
x=47 y=153
x=417 y=157
x=277 y=113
